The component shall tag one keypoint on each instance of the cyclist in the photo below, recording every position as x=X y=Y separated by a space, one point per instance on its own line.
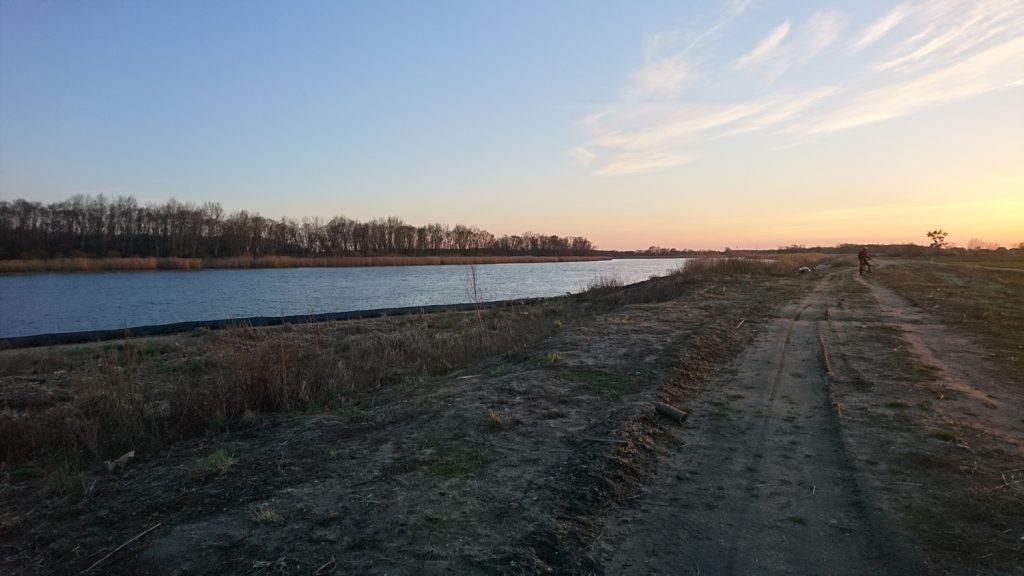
x=865 y=260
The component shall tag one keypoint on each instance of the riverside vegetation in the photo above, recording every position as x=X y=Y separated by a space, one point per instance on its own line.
x=490 y=441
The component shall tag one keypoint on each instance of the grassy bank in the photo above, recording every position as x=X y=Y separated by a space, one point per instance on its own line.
x=245 y=262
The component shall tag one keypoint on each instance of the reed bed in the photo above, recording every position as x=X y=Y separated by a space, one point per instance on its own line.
x=751 y=264
x=82 y=264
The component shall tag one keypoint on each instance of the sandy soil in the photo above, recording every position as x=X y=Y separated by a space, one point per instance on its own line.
x=833 y=429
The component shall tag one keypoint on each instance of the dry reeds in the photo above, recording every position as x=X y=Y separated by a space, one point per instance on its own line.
x=98 y=265
x=751 y=264
x=82 y=264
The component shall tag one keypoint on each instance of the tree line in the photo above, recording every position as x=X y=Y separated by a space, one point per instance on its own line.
x=98 y=226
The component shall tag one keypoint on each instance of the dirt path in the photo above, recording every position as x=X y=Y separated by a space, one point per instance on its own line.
x=762 y=483
x=856 y=435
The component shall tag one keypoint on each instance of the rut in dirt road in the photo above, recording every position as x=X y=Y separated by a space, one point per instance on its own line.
x=761 y=483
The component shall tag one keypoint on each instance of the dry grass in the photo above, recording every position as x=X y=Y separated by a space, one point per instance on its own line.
x=985 y=302
x=265 y=514
x=98 y=265
x=610 y=293
x=752 y=264
x=988 y=259
x=246 y=262
x=136 y=395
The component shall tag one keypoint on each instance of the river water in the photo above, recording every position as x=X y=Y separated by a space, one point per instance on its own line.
x=51 y=303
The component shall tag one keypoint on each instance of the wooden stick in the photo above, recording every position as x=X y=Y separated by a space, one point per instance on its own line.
x=740 y=324
x=136 y=537
x=670 y=411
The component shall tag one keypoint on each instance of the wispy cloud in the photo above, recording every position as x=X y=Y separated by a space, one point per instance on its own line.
x=779 y=109
x=661 y=78
x=823 y=29
x=877 y=30
x=764 y=49
x=731 y=11
x=668 y=67
x=643 y=162
x=952 y=27
x=582 y=155
x=924 y=55
x=996 y=68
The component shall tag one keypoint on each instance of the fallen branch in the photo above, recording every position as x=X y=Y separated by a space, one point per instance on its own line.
x=115 y=550
x=670 y=411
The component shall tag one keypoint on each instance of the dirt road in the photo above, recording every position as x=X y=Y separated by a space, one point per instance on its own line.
x=792 y=462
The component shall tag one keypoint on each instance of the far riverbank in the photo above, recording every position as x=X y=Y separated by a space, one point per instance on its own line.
x=142 y=264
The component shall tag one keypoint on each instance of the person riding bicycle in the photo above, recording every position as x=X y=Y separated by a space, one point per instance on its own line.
x=865 y=260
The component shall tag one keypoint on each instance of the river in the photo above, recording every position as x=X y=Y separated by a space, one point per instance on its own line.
x=70 y=302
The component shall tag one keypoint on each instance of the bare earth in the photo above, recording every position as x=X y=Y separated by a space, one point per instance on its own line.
x=833 y=429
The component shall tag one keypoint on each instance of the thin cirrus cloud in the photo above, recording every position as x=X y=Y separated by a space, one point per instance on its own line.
x=765 y=49
x=881 y=27
x=645 y=161
x=921 y=56
x=666 y=71
x=996 y=68
x=951 y=28
x=661 y=78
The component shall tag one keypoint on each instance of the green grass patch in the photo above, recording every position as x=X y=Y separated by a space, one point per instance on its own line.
x=458 y=463
x=219 y=462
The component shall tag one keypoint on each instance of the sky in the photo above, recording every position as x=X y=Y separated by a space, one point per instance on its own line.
x=742 y=124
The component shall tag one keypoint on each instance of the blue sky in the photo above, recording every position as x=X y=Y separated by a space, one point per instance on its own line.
x=704 y=125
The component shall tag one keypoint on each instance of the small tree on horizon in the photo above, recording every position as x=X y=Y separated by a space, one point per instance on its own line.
x=938 y=238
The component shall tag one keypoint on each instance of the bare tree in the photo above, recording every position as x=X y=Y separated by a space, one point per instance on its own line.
x=938 y=238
